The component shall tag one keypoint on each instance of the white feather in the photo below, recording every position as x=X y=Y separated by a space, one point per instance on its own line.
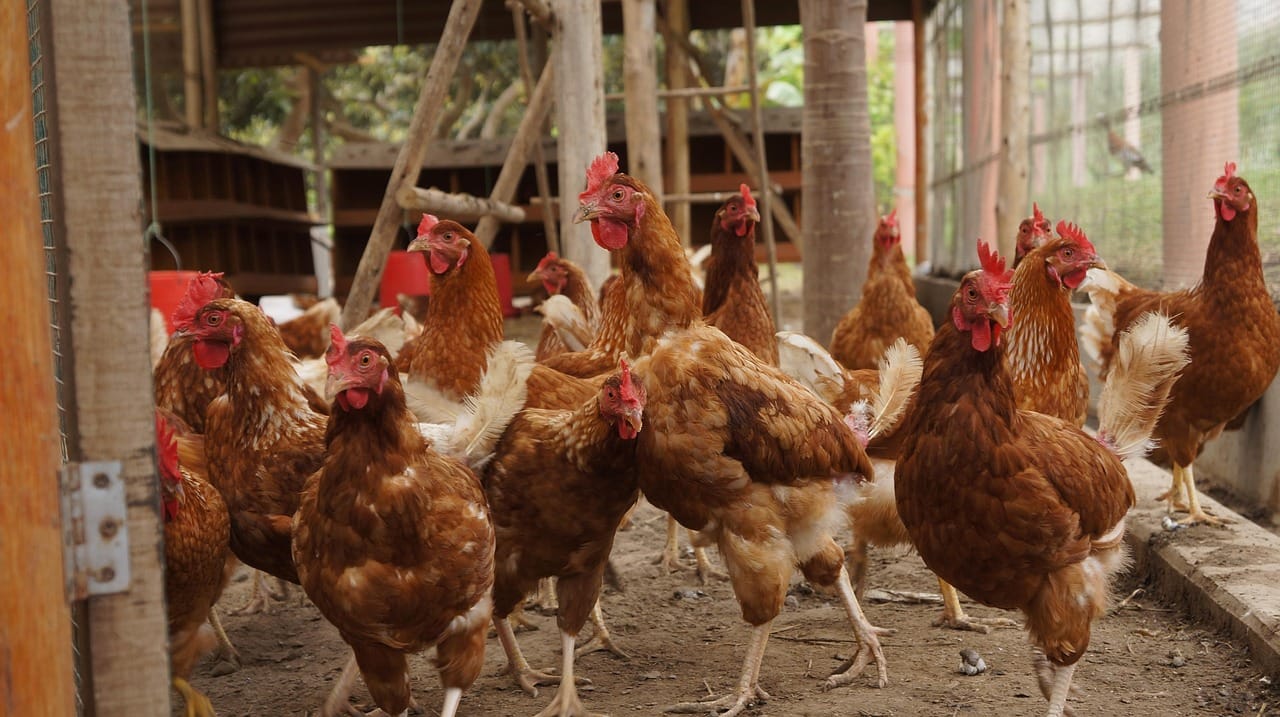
x=483 y=417
x=573 y=328
x=900 y=371
x=1150 y=356
x=805 y=360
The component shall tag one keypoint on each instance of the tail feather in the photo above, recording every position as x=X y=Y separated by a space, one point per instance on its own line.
x=486 y=414
x=808 y=362
x=386 y=327
x=1105 y=287
x=900 y=371
x=1147 y=363
x=573 y=328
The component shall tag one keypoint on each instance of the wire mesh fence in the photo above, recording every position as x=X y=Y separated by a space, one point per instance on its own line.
x=1135 y=107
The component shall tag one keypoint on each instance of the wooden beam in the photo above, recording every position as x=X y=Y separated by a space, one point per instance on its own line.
x=640 y=82
x=458 y=206
x=922 y=119
x=208 y=64
x=577 y=55
x=457 y=27
x=836 y=155
x=539 y=10
x=192 y=93
x=688 y=92
x=675 y=23
x=1012 y=189
x=36 y=638
x=762 y=163
x=93 y=124
x=527 y=136
x=539 y=155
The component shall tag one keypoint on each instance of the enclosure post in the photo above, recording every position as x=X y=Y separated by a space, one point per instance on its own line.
x=577 y=57
x=192 y=93
x=1132 y=98
x=539 y=156
x=762 y=163
x=209 y=65
x=904 y=122
x=457 y=27
x=98 y=224
x=676 y=18
x=1199 y=135
x=35 y=624
x=640 y=83
x=981 y=128
x=1015 y=121
x=921 y=194
x=838 y=196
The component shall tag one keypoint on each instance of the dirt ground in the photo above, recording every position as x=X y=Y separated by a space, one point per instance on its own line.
x=686 y=639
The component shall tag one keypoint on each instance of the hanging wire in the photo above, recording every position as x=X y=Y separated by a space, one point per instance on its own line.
x=153 y=230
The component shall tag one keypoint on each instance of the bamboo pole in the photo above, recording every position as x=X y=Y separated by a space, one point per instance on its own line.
x=36 y=635
x=192 y=94
x=762 y=164
x=1015 y=122
x=539 y=155
x=577 y=57
x=836 y=161
x=640 y=84
x=97 y=225
x=675 y=23
x=457 y=27
x=528 y=135
x=459 y=206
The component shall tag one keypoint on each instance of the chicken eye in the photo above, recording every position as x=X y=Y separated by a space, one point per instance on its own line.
x=617 y=195
x=971 y=294
x=365 y=360
x=214 y=319
x=1068 y=252
x=448 y=236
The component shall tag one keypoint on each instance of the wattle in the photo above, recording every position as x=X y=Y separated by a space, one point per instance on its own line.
x=609 y=233
x=1075 y=279
x=1227 y=211
x=626 y=431
x=211 y=354
x=980 y=335
x=353 y=398
x=439 y=264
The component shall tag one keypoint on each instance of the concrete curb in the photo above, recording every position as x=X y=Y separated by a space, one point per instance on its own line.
x=1229 y=576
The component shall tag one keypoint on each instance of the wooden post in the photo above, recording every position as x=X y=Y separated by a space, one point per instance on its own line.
x=1132 y=98
x=762 y=164
x=921 y=194
x=209 y=65
x=981 y=128
x=640 y=84
x=528 y=135
x=457 y=27
x=1197 y=42
x=539 y=155
x=106 y=368
x=676 y=18
x=192 y=93
x=838 y=194
x=35 y=637
x=904 y=122
x=577 y=58
x=1015 y=122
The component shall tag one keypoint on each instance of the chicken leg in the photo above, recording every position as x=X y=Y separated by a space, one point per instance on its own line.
x=868 y=644
x=566 y=702
x=228 y=655
x=954 y=617
x=197 y=705
x=669 y=559
x=528 y=678
x=601 y=640
x=1176 y=491
x=748 y=692
x=261 y=597
x=1196 y=514
x=1055 y=684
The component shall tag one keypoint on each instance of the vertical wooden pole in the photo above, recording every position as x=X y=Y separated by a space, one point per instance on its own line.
x=321 y=251
x=98 y=222
x=1132 y=97
x=208 y=64
x=457 y=28
x=1015 y=122
x=838 y=195
x=1197 y=42
x=677 y=150
x=539 y=155
x=762 y=164
x=904 y=122
x=192 y=93
x=922 y=120
x=1039 y=153
x=640 y=85
x=577 y=57
x=981 y=128
x=35 y=624
x=1079 y=113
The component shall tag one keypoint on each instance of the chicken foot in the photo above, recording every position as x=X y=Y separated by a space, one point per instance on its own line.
x=528 y=678
x=260 y=598
x=197 y=705
x=228 y=655
x=669 y=559
x=748 y=692
x=954 y=617
x=600 y=640
x=1183 y=475
x=869 y=649
x=566 y=702
x=1174 y=496
x=1055 y=684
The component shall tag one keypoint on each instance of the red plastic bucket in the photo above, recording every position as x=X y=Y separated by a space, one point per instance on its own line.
x=405 y=273
x=167 y=289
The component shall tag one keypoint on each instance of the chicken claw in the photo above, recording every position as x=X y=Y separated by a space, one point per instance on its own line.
x=261 y=597
x=705 y=570
x=197 y=704
x=954 y=618
x=601 y=640
x=1199 y=517
x=669 y=559
x=727 y=706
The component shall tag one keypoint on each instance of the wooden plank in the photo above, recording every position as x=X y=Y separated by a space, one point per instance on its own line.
x=1012 y=202
x=250 y=283
x=762 y=164
x=504 y=187
x=577 y=57
x=98 y=222
x=462 y=17
x=208 y=64
x=192 y=94
x=539 y=151
x=36 y=637
x=922 y=122
x=640 y=83
x=676 y=159
x=200 y=210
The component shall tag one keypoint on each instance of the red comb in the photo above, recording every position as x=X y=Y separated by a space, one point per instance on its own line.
x=1035 y=210
x=337 y=345
x=427 y=224
x=1070 y=231
x=628 y=388
x=747 y=199
x=602 y=167
x=891 y=219
x=204 y=288
x=1228 y=172
x=992 y=262
x=550 y=258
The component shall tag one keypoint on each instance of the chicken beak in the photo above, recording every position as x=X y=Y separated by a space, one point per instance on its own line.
x=422 y=243
x=999 y=313
x=753 y=214
x=1097 y=263
x=336 y=384
x=1215 y=194
x=634 y=416
x=586 y=212
x=534 y=276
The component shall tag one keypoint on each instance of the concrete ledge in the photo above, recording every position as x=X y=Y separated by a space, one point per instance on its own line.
x=1228 y=577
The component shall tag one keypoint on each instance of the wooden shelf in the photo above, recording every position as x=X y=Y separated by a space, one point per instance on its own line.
x=204 y=210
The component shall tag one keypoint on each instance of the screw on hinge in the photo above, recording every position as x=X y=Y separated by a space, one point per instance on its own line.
x=101 y=480
x=108 y=528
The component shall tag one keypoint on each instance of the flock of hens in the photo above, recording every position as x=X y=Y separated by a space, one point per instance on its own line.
x=420 y=484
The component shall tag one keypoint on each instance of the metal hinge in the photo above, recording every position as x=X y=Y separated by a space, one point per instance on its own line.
x=95 y=535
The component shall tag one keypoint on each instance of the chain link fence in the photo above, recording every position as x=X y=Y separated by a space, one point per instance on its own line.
x=1135 y=106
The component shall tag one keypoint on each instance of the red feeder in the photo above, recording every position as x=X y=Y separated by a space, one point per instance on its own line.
x=167 y=289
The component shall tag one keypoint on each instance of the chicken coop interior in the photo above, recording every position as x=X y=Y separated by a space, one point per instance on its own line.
x=801 y=232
